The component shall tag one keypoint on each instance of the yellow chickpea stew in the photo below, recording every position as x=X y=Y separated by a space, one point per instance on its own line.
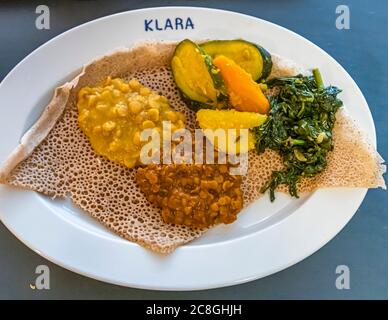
x=114 y=114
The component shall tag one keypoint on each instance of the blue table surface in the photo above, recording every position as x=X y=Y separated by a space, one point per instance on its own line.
x=362 y=245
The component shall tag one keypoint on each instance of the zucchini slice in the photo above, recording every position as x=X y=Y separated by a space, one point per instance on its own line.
x=253 y=58
x=197 y=78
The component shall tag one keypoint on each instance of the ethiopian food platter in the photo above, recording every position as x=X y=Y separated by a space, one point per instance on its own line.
x=181 y=153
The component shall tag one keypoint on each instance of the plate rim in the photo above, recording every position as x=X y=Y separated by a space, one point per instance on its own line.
x=242 y=280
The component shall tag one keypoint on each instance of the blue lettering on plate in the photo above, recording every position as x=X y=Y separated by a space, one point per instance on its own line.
x=179 y=22
x=147 y=24
x=157 y=25
x=189 y=24
x=168 y=24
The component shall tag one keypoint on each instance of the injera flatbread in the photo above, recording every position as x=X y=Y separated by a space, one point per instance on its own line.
x=55 y=158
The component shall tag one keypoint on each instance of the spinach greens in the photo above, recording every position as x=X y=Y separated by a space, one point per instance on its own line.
x=299 y=127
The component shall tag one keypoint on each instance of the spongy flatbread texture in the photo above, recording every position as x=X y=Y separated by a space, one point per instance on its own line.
x=64 y=165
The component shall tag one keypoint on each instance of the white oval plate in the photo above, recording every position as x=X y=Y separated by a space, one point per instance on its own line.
x=266 y=237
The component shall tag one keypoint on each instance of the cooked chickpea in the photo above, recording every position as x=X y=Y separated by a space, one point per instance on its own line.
x=206 y=184
x=83 y=93
x=122 y=110
x=134 y=84
x=152 y=103
x=153 y=114
x=118 y=133
x=124 y=87
x=106 y=95
x=130 y=163
x=144 y=91
x=226 y=185
x=84 y=114
x=148 y=124
x=139 y=119
x=163 y=99
x=135 y=107
x=101 y=106
x=116 y=93
x=181 y=116
x=142 y=100
x=219 y=179
x=173 y=127
x=97 y=130
x=180 y=124
x=114 y=146
x=136 y=138
x=223 y=168
x=92 y=100
x=109 y=126
x=115 y=82
x=214 y=207
x=171 y=115
x=224 y=200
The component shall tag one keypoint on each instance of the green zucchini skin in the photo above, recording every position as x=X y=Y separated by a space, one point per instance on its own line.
x=217 y=81
x=261 y=62
x=216 y=76
x=197 y=105
x=267 y=63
